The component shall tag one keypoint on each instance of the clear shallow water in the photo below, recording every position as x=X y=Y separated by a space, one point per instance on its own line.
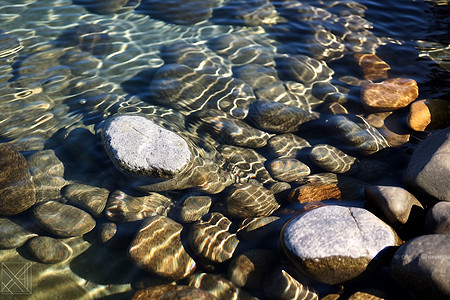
x=53 y=96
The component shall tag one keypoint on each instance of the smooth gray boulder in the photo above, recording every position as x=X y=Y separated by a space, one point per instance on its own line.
x=138 y=145
x=429 y=167
x=422 y=266
x=394 y=202
x=333 y=244
x=438 y=218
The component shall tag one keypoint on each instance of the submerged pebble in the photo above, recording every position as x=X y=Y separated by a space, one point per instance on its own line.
x=49 y=250
x=157 y=248
x=63 y=220
x=17 y=190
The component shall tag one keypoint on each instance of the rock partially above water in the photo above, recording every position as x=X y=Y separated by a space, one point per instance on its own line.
x=438 y=218
x=429 y=167
x=390 y=94
x=333 y=244
x=137 y=145
x=17 y=190
x=157 y=248
x=428 y=115
x=62 y=219
x=422 y=265
x=394 y=202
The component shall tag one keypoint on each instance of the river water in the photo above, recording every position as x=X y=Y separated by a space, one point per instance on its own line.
x=67 y=65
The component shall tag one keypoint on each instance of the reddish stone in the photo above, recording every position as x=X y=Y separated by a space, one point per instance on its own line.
x=373 y=67
x=389 y=95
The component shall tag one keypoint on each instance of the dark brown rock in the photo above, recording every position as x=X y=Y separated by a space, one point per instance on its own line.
x=17 y=191
x=62 y=219
x=49 y=250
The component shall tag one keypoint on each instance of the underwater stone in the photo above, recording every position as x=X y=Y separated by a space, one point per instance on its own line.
x=157 y=248
x=91 y=198
x=15 y=232
x=122 y=207
x=244 y=200
x=211 y=238
x=286 y=145
x=332 y=159
x=49 y=250
x=17 y=190
x=276 y=117
x=62 y=219
x=288 y=169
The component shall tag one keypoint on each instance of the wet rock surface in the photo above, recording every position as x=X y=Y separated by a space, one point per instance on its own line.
x=424 y=259
x=17 y=190
x=429 y=166
x=158 y=249
x=63 y=220
x=340 y=250
x=49 y=250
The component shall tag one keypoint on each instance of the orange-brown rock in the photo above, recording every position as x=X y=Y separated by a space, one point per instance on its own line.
x=373 y=67
x=419 y=116
x=17 y=191
x=389 y=95
x=315 y=191
x=428 y=115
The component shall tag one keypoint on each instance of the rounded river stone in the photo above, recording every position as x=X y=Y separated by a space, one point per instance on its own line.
x=17 y=191
x=137 y=145
x=332 y=159
x=438 y=218
x=249 y=268
x=288 y=169
x=157 y=248
x=395 y=202
x=334 y=244
x=244 y=200
x=422 y=266
x=429 y=167
x=14 y=233
x=210 y=238
x=170 y=291
x=62 y=219
x=279 y=284
x=49 y=250
x=92 y=198
x=122 y=207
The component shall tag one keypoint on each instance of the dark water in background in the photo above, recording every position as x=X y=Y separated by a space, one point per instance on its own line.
x=411 y=36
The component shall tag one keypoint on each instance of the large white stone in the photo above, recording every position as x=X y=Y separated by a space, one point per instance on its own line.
x=137 y=145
